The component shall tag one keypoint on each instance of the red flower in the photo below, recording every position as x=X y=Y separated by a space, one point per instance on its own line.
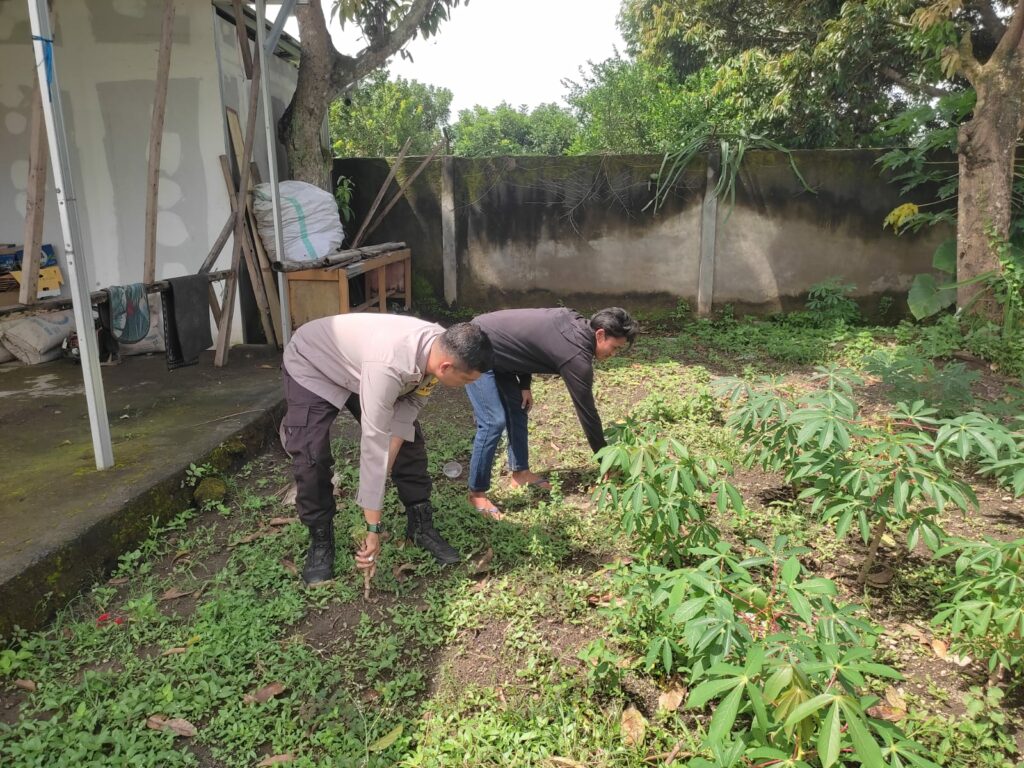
x=104 y=617
x=119 y=620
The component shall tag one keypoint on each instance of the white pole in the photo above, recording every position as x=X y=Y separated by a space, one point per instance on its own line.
x=42 y=45
x=275 y=197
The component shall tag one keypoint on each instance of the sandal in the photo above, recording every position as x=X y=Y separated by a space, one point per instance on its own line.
x=491 y=512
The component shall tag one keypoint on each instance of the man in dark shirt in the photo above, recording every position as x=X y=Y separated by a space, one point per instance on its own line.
x=528 y=341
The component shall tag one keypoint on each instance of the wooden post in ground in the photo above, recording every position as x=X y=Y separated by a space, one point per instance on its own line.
x=35 y=200
x=156 y=138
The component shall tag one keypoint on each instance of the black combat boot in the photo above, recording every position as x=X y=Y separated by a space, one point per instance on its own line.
x=421 y=531
x=319 y=565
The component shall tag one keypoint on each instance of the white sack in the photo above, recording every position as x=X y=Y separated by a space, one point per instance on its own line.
x=310 y=225
x=38 y=339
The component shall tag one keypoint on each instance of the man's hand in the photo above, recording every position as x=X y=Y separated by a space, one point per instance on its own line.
x=527 y=400
x=366 y=556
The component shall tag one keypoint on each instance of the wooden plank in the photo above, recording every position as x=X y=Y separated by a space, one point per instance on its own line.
x=220 y=357
x=266 y=272
x=156 y=138
x=380 y=194
x=344 y=297
x=218 y=245
x=243 y=38
x=35 y=200
x=367 y=265
x=382 y=288
x=337 y=260
x=250 y=261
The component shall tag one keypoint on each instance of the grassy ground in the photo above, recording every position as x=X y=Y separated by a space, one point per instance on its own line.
x=204 y=649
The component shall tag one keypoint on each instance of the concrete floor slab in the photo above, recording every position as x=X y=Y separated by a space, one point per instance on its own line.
x=62 y=523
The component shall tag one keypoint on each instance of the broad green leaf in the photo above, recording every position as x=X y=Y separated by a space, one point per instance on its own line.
x=944 y=258
x=706 y=691
x=829 y=737
x=808 y=708
x=864 y=745
x=725 y=715
x=790 y=570
x=927 y=298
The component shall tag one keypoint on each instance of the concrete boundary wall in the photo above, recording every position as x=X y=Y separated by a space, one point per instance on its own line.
x=532 y=231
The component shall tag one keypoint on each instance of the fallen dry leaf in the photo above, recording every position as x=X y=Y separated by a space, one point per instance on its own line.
x=671 y=699
x=176 y=725
x=25 y=685
x=894 y=698
x=275 y=760
x=400 y=571
x=182 y=555
x=960 y=661
x=633 y=725
x=264 y=694
x=173 y=594
x=174 y=651
x=276 y=522
x=289 y=566
x=940 y=648
x=370 y=694
x=602 y=599
x=565 y=762
x=479 y=586
x=483 y=564
x=885 y=712
x=118 y=581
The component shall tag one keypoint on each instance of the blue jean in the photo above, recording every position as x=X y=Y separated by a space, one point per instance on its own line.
x=498 y=406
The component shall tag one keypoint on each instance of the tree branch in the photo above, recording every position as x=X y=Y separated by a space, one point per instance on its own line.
x=908 y=85
x=990 y=19
x=346 y=69
x=968 y=62
x=1012 y=37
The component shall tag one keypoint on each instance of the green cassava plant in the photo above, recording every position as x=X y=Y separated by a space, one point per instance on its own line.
x=665 y=493
x=881 y=473
x=985 y=608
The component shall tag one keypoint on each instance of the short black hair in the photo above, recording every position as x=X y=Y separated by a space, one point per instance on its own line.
x=616 y=322
x=470 y=346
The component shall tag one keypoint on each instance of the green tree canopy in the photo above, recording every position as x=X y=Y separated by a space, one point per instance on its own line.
x=808 y=74
x=505 y=130
x=381 y=114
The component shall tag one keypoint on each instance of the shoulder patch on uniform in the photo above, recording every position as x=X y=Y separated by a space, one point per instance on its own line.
x=424 y=389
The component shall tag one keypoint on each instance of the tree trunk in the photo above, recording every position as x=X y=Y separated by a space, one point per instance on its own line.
x=302 y=123
x=987 y=148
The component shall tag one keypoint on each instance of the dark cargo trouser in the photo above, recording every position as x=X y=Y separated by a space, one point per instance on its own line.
x=305 y=435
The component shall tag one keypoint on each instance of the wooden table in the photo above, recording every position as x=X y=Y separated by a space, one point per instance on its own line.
x=314 y=293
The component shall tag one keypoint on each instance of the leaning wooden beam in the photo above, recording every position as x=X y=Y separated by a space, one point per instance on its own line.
x=266 y=271
x=338 y=258
x=218 y=245
x=227 y=310
x=220 y=358
x=357 y=241
x=96 y=297
x=401 y=190
x=35 y=200
x=250 y=259
x=243 y=38
x=156 y=139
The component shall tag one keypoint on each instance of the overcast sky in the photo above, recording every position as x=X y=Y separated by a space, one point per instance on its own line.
x=505 y=50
